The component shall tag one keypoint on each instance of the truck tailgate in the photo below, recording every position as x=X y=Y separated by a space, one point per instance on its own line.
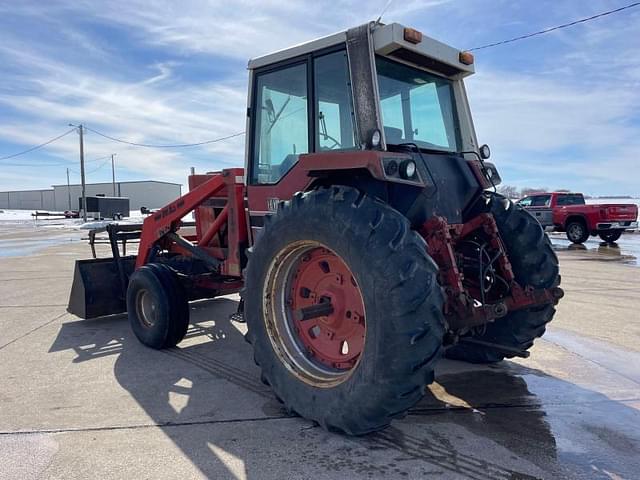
x=619 y=212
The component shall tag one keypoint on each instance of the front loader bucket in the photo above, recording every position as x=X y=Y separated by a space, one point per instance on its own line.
x=97 y=288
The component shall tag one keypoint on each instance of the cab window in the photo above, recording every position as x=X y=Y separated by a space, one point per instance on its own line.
x=417 y=107
x=333 y=104
x=281 y=130
x=525 y=202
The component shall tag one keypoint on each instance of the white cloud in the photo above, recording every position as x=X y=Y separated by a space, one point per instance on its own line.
x=155 y=110
x=580 y=99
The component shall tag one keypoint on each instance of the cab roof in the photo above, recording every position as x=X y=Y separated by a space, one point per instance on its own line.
x=388 y=40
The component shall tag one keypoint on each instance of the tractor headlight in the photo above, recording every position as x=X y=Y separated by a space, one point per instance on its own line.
x=485 y=151
x=391 y=168
x=376 y=137
x=408 y=169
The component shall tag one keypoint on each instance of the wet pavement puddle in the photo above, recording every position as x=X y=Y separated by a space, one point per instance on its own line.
x=626 y=250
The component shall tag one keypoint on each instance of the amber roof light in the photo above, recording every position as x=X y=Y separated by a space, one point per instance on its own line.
x=412 y=36
x=466 y=58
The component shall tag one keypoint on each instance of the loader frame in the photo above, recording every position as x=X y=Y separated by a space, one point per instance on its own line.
x=160 y=230
x=218 y=246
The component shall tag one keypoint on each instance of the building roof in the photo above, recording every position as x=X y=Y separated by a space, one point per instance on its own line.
x=120 y=182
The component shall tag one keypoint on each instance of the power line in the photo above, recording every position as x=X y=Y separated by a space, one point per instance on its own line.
x=388 y=4
x=99 y=166
x=38 y=146
x=56 y=164
x=557 y=27
x=97 y=159
x=108 y=159
x=149 y=145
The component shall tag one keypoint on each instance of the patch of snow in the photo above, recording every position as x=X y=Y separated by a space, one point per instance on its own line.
x=104 y=223
x=15 y=215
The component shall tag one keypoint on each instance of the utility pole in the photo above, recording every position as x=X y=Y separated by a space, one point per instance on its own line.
x=69 y=189
x=84 y=190
x=113 y=174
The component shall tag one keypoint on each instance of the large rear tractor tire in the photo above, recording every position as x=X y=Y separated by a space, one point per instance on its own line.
x=343 y=310
x=534 y=263
x=157 y=306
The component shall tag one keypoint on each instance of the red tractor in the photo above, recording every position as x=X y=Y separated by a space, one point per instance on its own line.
x=362 y=234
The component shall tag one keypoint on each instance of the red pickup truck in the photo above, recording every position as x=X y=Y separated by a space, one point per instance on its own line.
x=568 y=212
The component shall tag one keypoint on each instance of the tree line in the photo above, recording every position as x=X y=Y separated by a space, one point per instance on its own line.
x=515 y=193
x=510 y=191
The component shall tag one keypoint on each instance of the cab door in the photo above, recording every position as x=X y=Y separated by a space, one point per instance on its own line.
x=300 y=106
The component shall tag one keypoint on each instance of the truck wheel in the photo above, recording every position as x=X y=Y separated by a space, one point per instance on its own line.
x=534 y=263
x=157 y=306
x=610 y=236
x=577 y=231
x=343 y=309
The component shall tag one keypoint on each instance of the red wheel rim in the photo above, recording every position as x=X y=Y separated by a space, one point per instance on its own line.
x=335 y=340
x=314 y=313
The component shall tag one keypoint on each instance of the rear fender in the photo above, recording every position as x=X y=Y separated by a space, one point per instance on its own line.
x=348 y=167
x=576 y=216
x=376 y=163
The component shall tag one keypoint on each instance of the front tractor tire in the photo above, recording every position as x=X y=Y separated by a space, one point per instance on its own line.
x=534 y=263
x=343 y=310
x=157 y=306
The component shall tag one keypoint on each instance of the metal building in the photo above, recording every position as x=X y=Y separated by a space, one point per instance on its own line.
x=27 y=199
x=144 y=193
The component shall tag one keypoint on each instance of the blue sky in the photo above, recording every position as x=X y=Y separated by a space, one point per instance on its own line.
x=560 y=111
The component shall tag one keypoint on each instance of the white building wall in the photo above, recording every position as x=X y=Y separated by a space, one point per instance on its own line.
x=4 y=200
x=27 y=200
x=150 y=194
x=48 y=200
x=92 y=189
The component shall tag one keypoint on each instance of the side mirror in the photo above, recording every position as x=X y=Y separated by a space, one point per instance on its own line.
x=485 y=152
x=492 y=174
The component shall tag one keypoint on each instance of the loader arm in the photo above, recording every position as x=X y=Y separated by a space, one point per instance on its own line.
x=160 y=228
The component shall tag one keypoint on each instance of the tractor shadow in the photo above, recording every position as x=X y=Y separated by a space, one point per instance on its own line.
x=206 y=396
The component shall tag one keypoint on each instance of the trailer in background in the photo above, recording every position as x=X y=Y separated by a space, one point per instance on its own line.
x=101 y=206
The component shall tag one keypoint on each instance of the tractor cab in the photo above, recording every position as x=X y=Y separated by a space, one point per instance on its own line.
x=382 y=89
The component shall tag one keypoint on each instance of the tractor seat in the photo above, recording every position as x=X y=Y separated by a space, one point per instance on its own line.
x=288 y=162
x=393 y=135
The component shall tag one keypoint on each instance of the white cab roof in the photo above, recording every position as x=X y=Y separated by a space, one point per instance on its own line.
x=388 y=40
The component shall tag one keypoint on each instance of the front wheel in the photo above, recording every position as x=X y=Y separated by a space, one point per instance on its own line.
x=610 y=236
x=157 y=306
x=343 y=310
